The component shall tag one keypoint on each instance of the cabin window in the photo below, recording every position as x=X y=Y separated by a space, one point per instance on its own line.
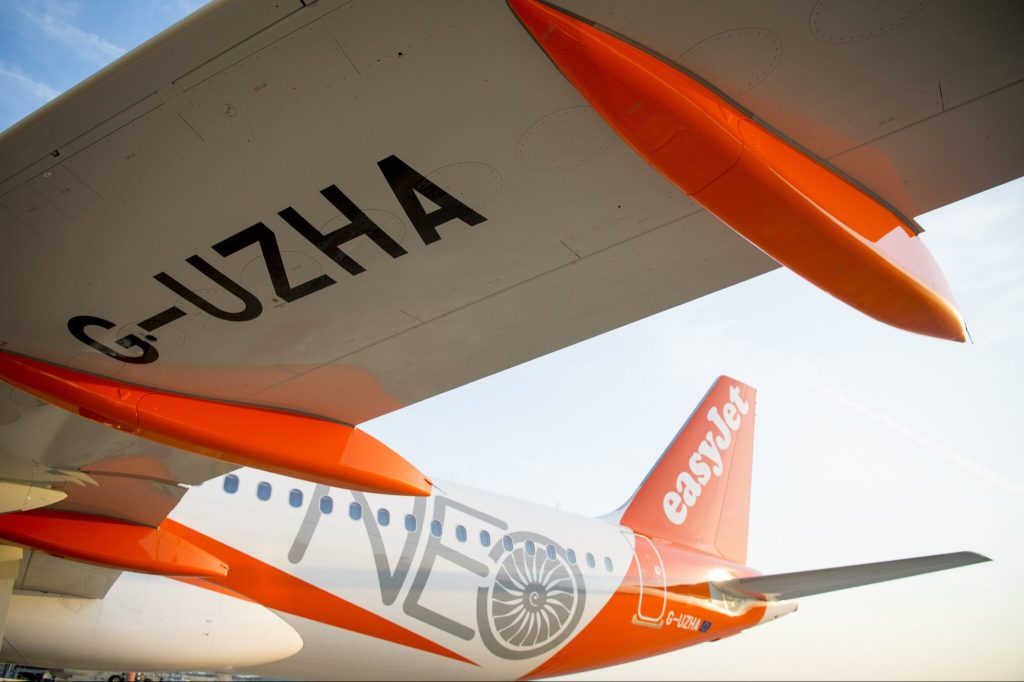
x=608 y=564
x=263 y=491
x=435 y=528
x=327 y=505
x=231 y=484
x=531 y=548
x=383 y=516
x=295 y=497
x=485 y=538
x=571 y=556
x=410 y=523
x=590 y=560
x=355 y=511
x=506 y=542
x=551 y=552
x=460 y=533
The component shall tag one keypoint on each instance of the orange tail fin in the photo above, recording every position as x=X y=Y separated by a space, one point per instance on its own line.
x=698 y=494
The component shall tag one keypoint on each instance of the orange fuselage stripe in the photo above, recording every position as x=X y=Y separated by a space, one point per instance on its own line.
x=614 y=636
x=278 y=590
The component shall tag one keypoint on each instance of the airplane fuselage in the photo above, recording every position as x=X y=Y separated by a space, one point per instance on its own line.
x=460 y=584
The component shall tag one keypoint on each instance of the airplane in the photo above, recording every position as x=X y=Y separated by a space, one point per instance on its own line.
x=460 y=584
x=533 y=225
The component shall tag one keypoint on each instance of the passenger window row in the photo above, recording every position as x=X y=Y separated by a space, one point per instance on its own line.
x=355 y=512
x=264 y=491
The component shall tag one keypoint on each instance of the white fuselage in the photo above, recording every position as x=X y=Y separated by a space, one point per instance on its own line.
x=443 y=587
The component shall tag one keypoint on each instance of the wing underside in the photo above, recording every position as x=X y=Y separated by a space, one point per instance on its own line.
x=342 y=209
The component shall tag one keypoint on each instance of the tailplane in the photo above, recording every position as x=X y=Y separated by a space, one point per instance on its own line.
x=785 y=586
x=698 y=494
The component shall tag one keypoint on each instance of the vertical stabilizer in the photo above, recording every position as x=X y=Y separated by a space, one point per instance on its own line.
x=698 y=494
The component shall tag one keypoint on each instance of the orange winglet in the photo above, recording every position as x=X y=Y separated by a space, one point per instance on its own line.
x=110 y=542
x=786 y=203
x=292 y=444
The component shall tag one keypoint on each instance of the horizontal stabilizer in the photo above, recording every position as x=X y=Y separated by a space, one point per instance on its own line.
x=804 y=583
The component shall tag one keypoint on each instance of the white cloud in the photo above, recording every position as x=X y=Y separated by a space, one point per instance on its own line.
x=184 y=6
x=88 y=46
x=949 y=455
x=36 y=89
x=977 y=241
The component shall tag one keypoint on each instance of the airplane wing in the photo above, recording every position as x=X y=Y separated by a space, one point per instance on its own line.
x=785 y=586
x=54 y=459
x=193 y=199
x=42 y=572
x=330 y=210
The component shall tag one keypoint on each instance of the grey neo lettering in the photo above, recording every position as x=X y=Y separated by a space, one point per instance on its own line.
x=436 y=549
x=309 y=524
x=391 y=581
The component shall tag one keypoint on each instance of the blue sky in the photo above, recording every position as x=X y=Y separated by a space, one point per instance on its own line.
x=872 y=443
x=47 y=46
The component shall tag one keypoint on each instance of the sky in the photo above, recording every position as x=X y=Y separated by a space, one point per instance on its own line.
x=871 y=443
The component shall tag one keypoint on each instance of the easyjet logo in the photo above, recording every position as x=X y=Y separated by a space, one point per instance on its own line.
x=706 y=461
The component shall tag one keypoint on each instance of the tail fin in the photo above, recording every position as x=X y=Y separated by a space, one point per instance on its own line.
x=698 y=494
